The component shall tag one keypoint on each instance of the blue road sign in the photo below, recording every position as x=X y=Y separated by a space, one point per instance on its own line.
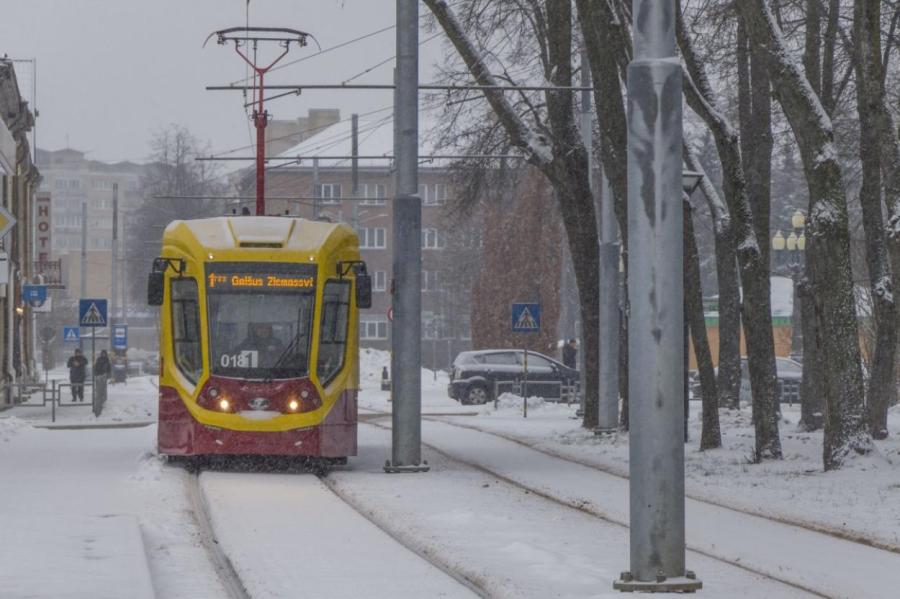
x=34 y=295
x=120 y=336
x=92 y=312
x=71 y=334
x=526 y=318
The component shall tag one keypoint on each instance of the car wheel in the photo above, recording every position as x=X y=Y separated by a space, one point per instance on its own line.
x=477 y=394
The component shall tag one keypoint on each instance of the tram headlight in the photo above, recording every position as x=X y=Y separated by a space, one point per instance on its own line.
x=293 y=405
x=224 y=405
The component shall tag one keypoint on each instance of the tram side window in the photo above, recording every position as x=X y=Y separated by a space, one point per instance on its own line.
x=186 y=328
x=333 y=330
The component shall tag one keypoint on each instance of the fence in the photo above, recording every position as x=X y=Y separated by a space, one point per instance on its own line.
x=53 y=392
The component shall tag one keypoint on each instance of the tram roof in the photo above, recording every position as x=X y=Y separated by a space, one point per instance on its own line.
x=246 y=232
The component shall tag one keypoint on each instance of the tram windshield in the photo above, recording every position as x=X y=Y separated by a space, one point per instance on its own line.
x=260 y=324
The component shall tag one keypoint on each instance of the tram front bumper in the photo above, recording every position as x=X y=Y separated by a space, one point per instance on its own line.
x=181 y=434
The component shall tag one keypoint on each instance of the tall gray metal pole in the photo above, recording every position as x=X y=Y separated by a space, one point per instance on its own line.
x=406 y=338
x=656 y=296
x=114 y=255
x=608 y=416
x=124 y=315
x=354 y=152
x=587 y=138
x=317 y=193
x=82 y=289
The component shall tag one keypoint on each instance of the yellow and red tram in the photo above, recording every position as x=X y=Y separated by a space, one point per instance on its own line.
x=258 y=336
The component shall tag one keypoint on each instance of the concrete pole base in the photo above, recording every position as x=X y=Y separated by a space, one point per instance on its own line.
x=676 y=584
x=402 y=469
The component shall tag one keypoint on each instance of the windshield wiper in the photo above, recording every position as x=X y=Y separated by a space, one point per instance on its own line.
x=285 y=354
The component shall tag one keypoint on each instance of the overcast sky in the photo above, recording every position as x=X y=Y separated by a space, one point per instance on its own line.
x=111 y=72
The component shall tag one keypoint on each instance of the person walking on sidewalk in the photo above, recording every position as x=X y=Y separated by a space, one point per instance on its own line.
x=570 y=353
x=76 y=365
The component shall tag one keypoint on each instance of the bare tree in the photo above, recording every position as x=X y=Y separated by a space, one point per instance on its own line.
x=710 y=435
x=754 y=266
x=172 y=172
x=551 y=143
x=869 y=98
x=846 y=430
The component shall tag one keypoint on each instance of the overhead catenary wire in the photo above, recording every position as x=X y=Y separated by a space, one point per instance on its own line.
x=338 y=46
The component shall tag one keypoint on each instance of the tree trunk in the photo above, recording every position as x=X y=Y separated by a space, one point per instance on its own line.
x=881 y=388
x=756 y=137
x=757 y=312
x=728 y=382
x=878 y=154
x=710 y=435
x=606 y=44
x=846 y=432
x=812 y=390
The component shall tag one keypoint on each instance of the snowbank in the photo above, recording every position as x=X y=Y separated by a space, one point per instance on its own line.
x=10 y=426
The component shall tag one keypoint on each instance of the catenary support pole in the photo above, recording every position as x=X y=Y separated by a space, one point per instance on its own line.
x=587 y=138
x=406 y=338
x=114 y=256
x=124 y=313
x=656 y=297
x=354 y=151
x=82 y=289
x=608 y=417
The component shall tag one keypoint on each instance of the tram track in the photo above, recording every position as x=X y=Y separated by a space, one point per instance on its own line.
x=474 y=584
x=843 y=535
x=587 y=508
x=228 y=576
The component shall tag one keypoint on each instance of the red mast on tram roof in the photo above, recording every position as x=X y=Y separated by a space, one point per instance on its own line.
x=252 y=36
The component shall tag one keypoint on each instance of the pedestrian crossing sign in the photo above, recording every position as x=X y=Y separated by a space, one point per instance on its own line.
x=92 y=312
x=526 y=318
x=71 y=334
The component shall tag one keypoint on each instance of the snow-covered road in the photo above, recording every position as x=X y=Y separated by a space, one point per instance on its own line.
x=508 y=519
x=289 y=536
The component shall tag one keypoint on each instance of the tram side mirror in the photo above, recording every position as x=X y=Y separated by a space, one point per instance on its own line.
x=155 y=287
x=363 y=290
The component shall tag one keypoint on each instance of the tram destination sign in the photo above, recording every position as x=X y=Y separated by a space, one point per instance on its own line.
x=261 y=277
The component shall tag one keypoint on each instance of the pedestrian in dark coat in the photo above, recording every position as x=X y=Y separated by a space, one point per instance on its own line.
x=570 y=353
x=102 y=366
x=77 y=365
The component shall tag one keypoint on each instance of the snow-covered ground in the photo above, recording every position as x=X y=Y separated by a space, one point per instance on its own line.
x=861 y=500
x=510 y=520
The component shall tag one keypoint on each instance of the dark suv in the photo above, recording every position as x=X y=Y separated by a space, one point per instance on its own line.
x=478 y=376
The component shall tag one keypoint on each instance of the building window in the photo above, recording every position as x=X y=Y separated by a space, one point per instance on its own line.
x=374 y=194
x=431 y=240
x=328 y=193
x=430 y=280
x=372 y=238
x=465 y=328
x=437 y=196
x=372 y=328
x=423 y=193
x=379 y=280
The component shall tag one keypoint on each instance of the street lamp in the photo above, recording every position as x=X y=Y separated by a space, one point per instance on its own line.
x=690 y=181
x=795 y=245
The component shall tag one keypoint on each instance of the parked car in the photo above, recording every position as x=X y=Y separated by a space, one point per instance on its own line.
x=789 y=372
x=478 y=376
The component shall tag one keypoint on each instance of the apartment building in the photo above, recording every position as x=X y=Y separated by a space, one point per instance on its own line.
x=323 y=188
x=76 y=182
